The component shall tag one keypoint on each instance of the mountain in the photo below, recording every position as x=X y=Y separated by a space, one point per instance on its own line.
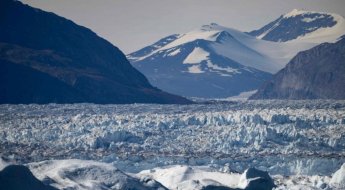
x=212 y=61
x=318 y=73
x=306 y=26
x=45 y=58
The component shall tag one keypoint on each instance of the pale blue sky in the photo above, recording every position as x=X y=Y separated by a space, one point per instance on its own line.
x=133 y=24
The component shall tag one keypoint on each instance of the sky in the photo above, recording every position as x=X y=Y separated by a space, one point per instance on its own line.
x=134 y=24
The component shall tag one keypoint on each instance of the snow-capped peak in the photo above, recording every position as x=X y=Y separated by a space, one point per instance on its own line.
x=305 y=26
x=209 y=33
x=227 y=42
x=294 y=13
x=298 y=12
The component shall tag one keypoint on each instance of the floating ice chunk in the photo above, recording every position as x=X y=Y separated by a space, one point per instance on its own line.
x=338 y=178
x=256 y=179
x=3 y=164
x=84 y=175
x=190 y=177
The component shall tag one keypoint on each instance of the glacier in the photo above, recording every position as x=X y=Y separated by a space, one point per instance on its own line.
x=292 y=140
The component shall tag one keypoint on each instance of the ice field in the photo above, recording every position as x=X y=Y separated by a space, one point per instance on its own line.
x=295 y=141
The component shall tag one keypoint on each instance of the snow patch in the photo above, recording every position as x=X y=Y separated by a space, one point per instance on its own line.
x=195 y=69
x=229 y=71
x=295 y=12
x=313 y=19
x=175 y=52
x=190 y=177
x=196 y=56
x=242 y=96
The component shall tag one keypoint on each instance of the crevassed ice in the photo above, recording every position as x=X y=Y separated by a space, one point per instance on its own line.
x=283 y=137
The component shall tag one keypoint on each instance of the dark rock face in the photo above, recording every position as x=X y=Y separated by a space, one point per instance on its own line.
x=16 y=177
x=318 y=73
x=63 y=62
x=288 y=28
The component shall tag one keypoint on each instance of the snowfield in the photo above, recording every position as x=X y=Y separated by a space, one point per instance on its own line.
x=83 y=175
x=300 y=143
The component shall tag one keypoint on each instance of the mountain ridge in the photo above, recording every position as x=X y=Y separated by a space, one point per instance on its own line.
x=189 y=64
x=58 y=49
x=232 y=53
x=225 y=61
x=318 y=73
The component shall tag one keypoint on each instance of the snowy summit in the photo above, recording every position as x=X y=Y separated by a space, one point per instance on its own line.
x=213 y=61
x=301 y=25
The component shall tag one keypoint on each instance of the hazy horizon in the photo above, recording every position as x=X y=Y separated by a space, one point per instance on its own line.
x=131 y=25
